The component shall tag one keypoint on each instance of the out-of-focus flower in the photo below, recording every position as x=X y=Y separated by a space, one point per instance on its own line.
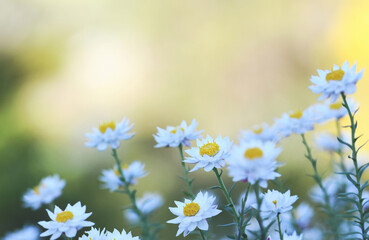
x=328 y=142
x=209 y=153
x=46 y=192
x=275 y=202
x=254 y=162
x=264 y=133
x=304 y=213
x=328 y=111
x=333 y=184
x=294 y=236
x=298 y=122
x=111 y=177
x=109 y=133
x=94 y=234
x=175 y=136
x=116 y=235
x=26 y=233
x=313 y=233
x=68 y=221
x=147 y=204
x=331 y=83
x=193 y=214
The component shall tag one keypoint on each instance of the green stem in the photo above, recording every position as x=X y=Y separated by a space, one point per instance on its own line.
x=241 y=229
x=340 y=150
x=318 y=179
x=132 y=197
x=202 y=235
x=185 y=169
x=353 y=126
x=258 y=216
x=227 y=196
x=279 y=227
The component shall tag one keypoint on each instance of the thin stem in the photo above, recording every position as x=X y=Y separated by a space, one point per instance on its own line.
x=318 y=179
x=279 y=227
x=185 y=169
x=258 y=216
x=132 y=196
x=241 y=229
x=353 y=126
x=202 y=235
x=340 y=150
x=227 y=196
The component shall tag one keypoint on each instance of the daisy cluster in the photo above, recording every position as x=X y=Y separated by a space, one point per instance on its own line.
x=252 y=162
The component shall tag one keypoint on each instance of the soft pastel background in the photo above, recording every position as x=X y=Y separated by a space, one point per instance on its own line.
x=67 y=66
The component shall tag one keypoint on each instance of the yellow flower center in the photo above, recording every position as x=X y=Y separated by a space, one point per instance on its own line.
x=335 y=106
x=258 y=130
x=297 y=114
x=124 y=166
x=191 y=209
x=275 y=203
x=336 y=75
x=37 y=189
x=174 y=131
x=64 y=216
x=103 y=127
x=252 y=153
x=210 y=149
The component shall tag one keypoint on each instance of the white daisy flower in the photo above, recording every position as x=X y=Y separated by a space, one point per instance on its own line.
x=294 y=236
x=116 y=235
x=298 y=122
x=68 y=221
x=94 y=234
x=175 y=136
x=254 y=162
x=147 y=204
x=111 y=177
x=327 y=111
x=193 y=214
x=331 y=83
x=46 y=192
x=109 y=133
x=328 y=142
x=27 y=232
x=264 y=133
x=275 y=202
x=209 y=153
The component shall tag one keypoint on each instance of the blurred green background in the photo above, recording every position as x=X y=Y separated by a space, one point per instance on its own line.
x=66 y=66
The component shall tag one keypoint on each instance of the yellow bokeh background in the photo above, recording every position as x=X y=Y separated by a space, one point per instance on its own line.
x=67 y=66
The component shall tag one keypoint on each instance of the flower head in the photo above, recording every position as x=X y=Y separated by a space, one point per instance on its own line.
x=94 y=234
x=275 y=202
x=147 y=204
x=304 y=213
x=175 y=136
x=328 y=111
x=210 y=153
x=253 y=162
x=27 y=232
x=46 y=192
x=68 y=221
x=297 y=122
x=116 y=235
x=112 y=179
x=109 y=133
x=331 y=83
x=264 y=133
x=193 y=214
